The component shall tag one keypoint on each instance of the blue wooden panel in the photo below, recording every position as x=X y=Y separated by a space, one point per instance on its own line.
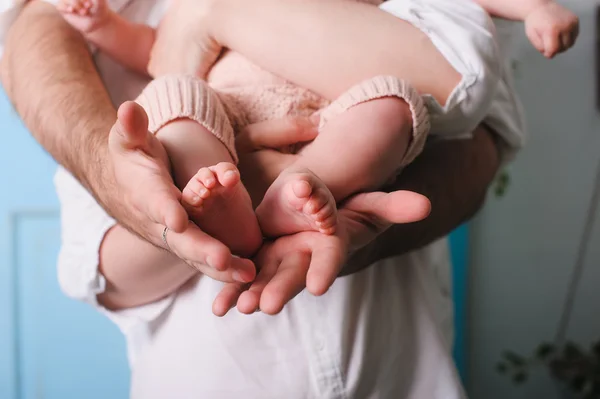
x=66 y=350
x=51 y=347
x=459 y=249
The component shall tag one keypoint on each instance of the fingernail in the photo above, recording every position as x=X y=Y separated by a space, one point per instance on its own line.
x=195 y=199
x=315 y=119
x=209 y=261
x=230 y=173
x=237 y=277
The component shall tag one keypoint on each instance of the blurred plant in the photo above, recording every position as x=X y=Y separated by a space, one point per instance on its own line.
x=501 y=184
x=577 y=370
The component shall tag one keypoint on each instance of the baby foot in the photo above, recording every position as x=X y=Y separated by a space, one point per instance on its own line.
x=84 y=15
x=219 y=204
x=297 y=201
x=221 y=179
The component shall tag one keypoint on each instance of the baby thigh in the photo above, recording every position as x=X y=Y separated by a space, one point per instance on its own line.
x=465 y=35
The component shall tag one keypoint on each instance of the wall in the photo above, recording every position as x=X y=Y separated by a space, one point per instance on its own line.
x=524 y=245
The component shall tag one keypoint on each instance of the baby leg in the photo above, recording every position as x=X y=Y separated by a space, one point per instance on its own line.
x=192 y=125
x=366 y=136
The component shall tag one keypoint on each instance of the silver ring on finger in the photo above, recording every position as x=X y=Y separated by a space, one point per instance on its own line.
x=164 y=238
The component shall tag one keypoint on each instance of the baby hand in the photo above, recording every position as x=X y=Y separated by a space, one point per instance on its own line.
x=84 y=15
x=551 y=28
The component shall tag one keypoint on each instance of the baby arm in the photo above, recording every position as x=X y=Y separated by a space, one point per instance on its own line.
x=551 y=28
x=126 y=42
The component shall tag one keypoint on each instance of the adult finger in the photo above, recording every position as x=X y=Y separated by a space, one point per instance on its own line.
x=131 y=128
x=325 y=265
x=228 y=276
x=288 y=281
x=139 y=158
x=395 y=207
x=209 y=255
x=227 y=298
x=268 y=264
x=162 y=204
x=276 y=133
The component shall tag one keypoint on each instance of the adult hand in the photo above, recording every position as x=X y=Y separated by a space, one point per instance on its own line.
x=140 y=192
x=182 y=44
x=314 y=260
x=307 y=259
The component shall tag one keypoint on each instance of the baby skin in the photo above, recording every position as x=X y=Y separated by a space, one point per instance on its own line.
x=304 y=195
x=212 y=192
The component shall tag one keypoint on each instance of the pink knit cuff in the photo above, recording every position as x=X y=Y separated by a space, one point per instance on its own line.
x=172 y=97
x=386 y=86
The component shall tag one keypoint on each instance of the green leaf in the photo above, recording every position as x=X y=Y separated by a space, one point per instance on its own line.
x=520 y=377
x=596 y=349
x=544 y=351
x=571 y=351
x=577 y=384
x=501 y=368
x=513 y=358
x=502 y=183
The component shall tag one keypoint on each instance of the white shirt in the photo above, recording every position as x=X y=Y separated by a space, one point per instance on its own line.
x=380 y=333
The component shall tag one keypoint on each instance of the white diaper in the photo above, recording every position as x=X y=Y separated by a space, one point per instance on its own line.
x=466 y=36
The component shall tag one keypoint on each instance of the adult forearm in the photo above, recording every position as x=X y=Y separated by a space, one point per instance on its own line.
x=455 y=176
x=49 y=76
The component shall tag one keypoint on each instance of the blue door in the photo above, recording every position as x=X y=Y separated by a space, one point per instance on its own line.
x=51 y=347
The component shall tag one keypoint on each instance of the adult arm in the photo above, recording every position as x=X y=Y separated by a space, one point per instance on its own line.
x=49 y=75
x=51 y=79
x=455 y=176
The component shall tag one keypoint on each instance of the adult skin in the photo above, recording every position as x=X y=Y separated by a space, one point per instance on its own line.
x=71 y=116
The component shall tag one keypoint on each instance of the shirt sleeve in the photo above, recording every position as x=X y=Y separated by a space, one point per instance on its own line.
x=83 y=227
